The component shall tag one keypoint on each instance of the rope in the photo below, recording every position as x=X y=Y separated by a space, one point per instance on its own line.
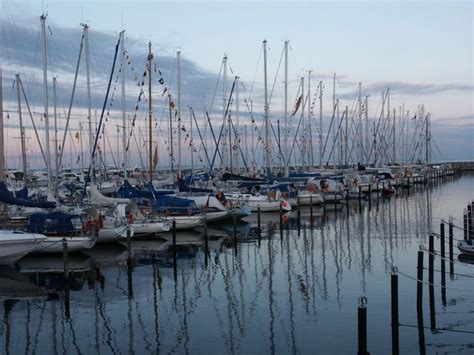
x=436 y=254
x=442 y=329
x=454 y=273
x=433 y=284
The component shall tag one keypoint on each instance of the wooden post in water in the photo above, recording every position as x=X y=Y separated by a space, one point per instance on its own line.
x=470 y=226
x=175 y=266
x=419 y=302
x=129 y=246
x=67 y=312
x=442 y=242
x=259 y=227
x=311 y=209
x=281 y=221
x=299 y=210
x=360 y=199
x=362 y=326
x=395 y=320
x=465 y=225
x=370 y=196
x=451 y=251
x=431 y=259
x=431 y=281
x=206 y=244
x=419 y=277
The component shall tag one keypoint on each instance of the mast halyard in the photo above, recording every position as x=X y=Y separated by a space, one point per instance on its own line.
x=150 y=116
x=45 y=93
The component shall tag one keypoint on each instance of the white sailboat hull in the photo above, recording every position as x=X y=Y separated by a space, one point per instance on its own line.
x=55 y=244
x=185 y=222
x=15 y=245
x=144 y=228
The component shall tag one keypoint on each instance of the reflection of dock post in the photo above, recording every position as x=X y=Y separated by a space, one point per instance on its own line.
x=470 y=224
x=67 y=312
x=395 y=320
x=175 y=271
x=451 y=251
x=431 y=259
x=299 y=210
x=206 y=243
x=259 y=226
x=311 y=208
x=443 y=264
x=362 y=326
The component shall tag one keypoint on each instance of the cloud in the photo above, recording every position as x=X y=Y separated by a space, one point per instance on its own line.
x=398 y=87
x=21 y=53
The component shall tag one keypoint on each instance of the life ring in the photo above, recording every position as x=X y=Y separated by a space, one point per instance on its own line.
x=311 y=188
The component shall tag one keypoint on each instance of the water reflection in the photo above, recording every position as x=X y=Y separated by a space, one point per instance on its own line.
x=293 y=291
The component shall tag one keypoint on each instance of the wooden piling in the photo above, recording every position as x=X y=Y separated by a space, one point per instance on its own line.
x=431 y=259
x=362 y=326
x=470 y=226
x=442 y=242
x=65 y=259
x=129 y=246
x=360 y=198
x=370 y=196
x=419 y=277
x=281 y=221
x=299 y=210
x=234 y=220
x=395 y=319
x=311 y=209
x=465 y=225
x=451 y=250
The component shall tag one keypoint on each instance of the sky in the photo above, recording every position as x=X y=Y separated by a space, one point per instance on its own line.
x=422 y=50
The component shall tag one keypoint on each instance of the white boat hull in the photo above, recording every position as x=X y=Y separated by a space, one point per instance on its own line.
x=112 y=235
x=185 y=222
x=15 y=245
x=466 y=247
x=306 y=199
x=144 y=228
x=55 y=244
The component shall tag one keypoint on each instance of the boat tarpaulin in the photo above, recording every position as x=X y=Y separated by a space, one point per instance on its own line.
x=7 y=197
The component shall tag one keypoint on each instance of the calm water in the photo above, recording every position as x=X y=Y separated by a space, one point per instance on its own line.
x=291 y=293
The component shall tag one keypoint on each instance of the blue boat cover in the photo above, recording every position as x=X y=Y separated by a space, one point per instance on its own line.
x=158 y=193
x=184 y=187
x=51 y=223
x=175 y=205
x=128 y=191
x=7 y=197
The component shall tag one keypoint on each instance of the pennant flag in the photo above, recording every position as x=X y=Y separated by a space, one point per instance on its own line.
x=297 y=106
x=77 y=136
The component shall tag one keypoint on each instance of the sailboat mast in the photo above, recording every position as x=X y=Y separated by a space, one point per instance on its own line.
x=82 y=149
x=303 y=133
x=178 y=59
x=285 y=117
x=191 y=142
x=224 y=101
x=310 y=130
x=124 y=117
x=320 y=124
x=150 y=116
x=56 y=156
x=237 y=137
x=45 y=92
x=335 y=125
x=89 y=104
x=2 y=145
x=359 y=130
x=22 y=129
x=346 y=139
x=267 y=123
x=367 y=138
